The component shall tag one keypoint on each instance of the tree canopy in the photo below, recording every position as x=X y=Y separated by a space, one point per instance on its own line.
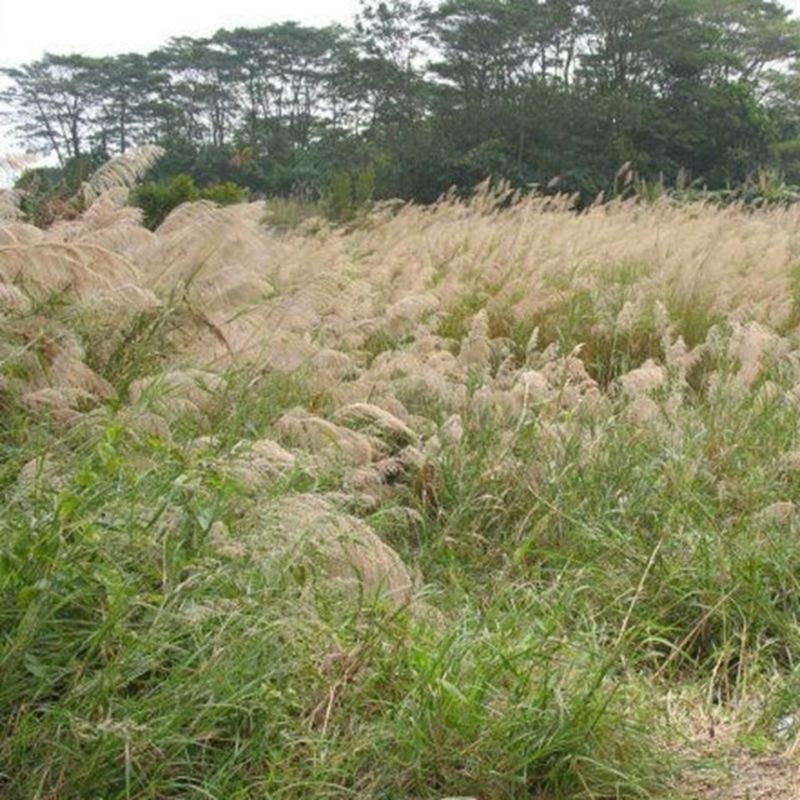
x=431 y=96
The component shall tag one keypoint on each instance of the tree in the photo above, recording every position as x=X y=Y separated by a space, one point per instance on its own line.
x=427 y=95
x=201 y=74
x=52 y=101
x=126 y=87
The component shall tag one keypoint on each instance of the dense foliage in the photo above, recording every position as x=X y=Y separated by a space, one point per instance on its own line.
x=157 y=199
x=431 y=96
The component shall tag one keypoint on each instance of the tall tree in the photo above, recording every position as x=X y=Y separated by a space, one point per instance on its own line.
x=52 y=101
x=126 y=87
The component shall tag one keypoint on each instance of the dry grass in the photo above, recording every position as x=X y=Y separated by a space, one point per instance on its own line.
x=121 y=172
x=554 y=453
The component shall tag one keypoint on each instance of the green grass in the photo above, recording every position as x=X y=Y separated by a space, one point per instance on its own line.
x=138 y=663
x=290 y=214
x=572 y=577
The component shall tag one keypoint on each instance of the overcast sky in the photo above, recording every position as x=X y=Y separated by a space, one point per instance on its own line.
x=28 y=28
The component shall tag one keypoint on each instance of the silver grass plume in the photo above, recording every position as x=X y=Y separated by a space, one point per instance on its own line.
x=9 y=205
x=124 y=171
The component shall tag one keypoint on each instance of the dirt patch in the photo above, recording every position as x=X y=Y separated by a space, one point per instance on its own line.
x=722 y=770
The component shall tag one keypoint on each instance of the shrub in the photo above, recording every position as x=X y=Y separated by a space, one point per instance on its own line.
x=227 y=193
x=158 y=199
x=48 y=192
x=348 y=193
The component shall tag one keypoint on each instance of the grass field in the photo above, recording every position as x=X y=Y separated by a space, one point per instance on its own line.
x=487 y=499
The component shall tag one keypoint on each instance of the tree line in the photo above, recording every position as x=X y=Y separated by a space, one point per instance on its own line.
x=421 y=97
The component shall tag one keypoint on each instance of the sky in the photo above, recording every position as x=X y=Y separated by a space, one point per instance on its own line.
x=28 y=28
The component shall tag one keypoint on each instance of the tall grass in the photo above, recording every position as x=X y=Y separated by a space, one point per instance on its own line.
x=590 y=471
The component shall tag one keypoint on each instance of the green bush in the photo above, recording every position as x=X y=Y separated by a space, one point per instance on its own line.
x=158 y=199
x=348 y=193
x=48 y=192
x=227 y=193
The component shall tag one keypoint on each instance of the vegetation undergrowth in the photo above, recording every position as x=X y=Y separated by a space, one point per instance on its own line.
x=438 y=512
